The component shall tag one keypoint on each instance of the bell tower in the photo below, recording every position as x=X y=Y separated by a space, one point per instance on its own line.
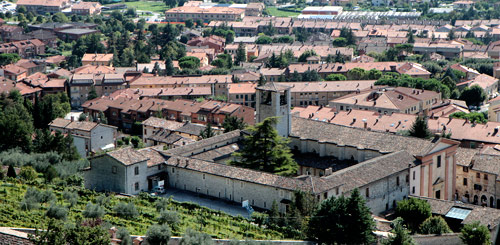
x=273 y=100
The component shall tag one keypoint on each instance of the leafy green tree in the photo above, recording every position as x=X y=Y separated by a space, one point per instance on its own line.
x=233 y=123
x=189 y=23
x=473 y=117
x=6 y=58
x=340 y=42
x=413 y=211
x=241 y=54
x=449 y=83
x=208 y=132
x=335 y=77
x=189 y=62
x=434 y=225
x=451 y=34
x=169 y=67
x=28 y=173
x=473 y=95
x=400 y=236
x=475 y=234
x=348 y=35
x=192 y=237
x=71 y=197
x=57 y=212
x=16 y=123
x=306 y=54
x=356 y=74
x=169 y=217
x=342 y=220
x=263 y=39
x=265 y=150
x=49 y=108
x=126 y=210
x=57 y=233
x=124 y=236
x=158 y=234
x=93 y=211
x=411 y=37
x=420 y=129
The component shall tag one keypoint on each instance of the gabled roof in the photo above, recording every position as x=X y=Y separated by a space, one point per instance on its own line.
x=127 y=156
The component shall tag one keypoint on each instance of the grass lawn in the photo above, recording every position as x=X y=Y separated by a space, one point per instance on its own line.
x=215 y=223
x=281 y=13
x=159 y=6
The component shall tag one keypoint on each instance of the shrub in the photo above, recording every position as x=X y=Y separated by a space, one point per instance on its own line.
x=71 y=197
x=126 y=210
x=158 y=234
x=57 y=212
x=475 y=233
x=169 y=217
x=28 y=173
x=93 y=211
x=28 y=204
x=103 y=200
x=47 y=196
x=434 y=225
x=162 y=204
x=50 y=174
x=33 y=194
x=194 y=237
x=124 y=235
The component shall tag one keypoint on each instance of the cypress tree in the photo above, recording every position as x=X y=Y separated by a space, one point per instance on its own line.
x=420 y=129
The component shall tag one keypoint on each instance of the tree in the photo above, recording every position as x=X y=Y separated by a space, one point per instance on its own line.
x=475 y=234
x=449 y=83
x=473 y=117
x=208 y=132
x=158 y=234
x=233 y=123
x=6 y=58
x=265 y=150
x=11 y=172
x=340 y=42
x=342 y=220
x=58 y=233
x=27 y=173
x=420 y=129
x=411 y=37
x=434 y=225
x=126 y=210
x=306 y=54
x=189 y=62
x=189 y=23
x=169 y=67
x=92 y=94
x=168 y=217
x=335 y=77
x=400 y=235
x=263 y=39
x=348 y=35
x=451 y=34
x=57 y=212
x=241 y=54
x=413 y=211
x=124 y=235
x=16 y=123
x=192 y=237
x=356 y=74
x=473 y=95
x=93 y=211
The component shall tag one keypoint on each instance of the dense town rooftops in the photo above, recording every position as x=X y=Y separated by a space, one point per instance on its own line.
x=180 y=80
x=330 y=86
x=201 y=10
x=162 y=123
x=56 y=3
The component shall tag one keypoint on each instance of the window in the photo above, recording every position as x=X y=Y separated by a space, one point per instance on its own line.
x=438 y=194
x=413 y=190
x=478 y=187
x=136 y=186
x=465 y=181
x=397 y=181
x=113 y=169
x=407 y=179
x=478 y=175
x=173 y=170
x=414 y=175
x=136 y=170
x=486 y=177
x=203 y=176
x=367 y=192
x=465 y=169
x=438 y=161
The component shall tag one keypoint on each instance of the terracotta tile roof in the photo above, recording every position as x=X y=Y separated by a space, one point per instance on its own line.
x=57 y=3
x=127 y=156
x=91 y=69
x=14 y=69
x=242 y=88
x=341 y=135
x=60 y=123
x=271 y=86
x=330 y=86
x=54 y=83
x=86 y=5
x=97 y=57
x=154 y=157
x=489 y=217
x=179 y=80
x=192 y=129
x=36 y=79
x=483 y=80
x=162 y=123
x=199 y=10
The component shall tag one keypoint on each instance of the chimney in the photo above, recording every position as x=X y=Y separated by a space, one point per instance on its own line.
x=72 y=118
x=328 y=171
x=365 y=123
x=187 y=162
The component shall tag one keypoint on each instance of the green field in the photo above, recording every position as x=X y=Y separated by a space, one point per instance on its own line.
x=158 y=6
x=281 y=13
x=215 y=223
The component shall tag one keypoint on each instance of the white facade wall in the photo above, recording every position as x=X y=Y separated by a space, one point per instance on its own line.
x=131 y=178
x=80 y=143
x=102 y=136
x=415 y=180
x=100 y=177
